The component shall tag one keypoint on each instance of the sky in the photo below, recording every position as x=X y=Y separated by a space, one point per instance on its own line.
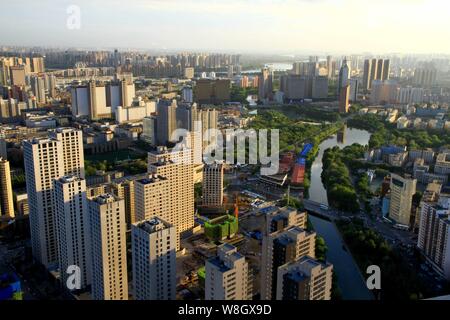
x=246 y=26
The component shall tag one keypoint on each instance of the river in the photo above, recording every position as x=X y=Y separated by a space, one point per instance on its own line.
x=350 y=281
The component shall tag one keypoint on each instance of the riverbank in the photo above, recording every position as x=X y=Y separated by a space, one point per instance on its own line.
x=351 y=283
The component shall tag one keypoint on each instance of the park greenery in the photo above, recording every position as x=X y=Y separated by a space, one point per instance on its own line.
x=238 y=94
x=385 y=133
x=132 y=167
x=294 y=133
x=398 y=280
x=336 y=177
x=306 y=112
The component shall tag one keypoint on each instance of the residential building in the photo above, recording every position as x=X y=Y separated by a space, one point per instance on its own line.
x=227 y=276
x=72 y=226
x=434 y=236
x=109 y=248
x=153 y=243
x=304 y=279
x=282 y=243
x=6 y=194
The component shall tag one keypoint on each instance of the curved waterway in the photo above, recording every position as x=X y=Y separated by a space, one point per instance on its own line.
x=350 y=280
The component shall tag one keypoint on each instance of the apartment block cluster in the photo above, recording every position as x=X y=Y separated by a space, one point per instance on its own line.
x=426 y=165
x=430 y=218
x=24 y=84
x=77 y=225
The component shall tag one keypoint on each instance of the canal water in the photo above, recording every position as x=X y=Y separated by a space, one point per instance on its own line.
x=350 y=280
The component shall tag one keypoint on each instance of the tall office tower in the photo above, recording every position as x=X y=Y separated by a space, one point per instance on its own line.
x=213 y=185
x=402 y=191
x=354 y=89
x=166 y=121
x=386 y=69
x=367 y=76
x=149 y=125
x=304 y=279
x=153 y=244
x=72 y=226
x=283 y=242
x=17 y=75
x=47 y=159
x=6 y=194
x=434 y=235
x=38 y=65
x=125 y=190
x=72 y=150
x=265 y=90
x=109 y=248
x=173 y=174
x=373 y=71
x=330 y=67
x=38 y=88
x=380 y=69
x=227 y=275
x=344 y=76
x=344 y=98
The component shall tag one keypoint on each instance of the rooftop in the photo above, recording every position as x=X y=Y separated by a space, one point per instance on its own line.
x=153 y=225
x=151 y=179
x=69 y=179
x=105 y=198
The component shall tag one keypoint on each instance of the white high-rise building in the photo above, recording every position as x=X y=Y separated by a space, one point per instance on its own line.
x=227 y=275
x=153 y=255
x=72 y=150
x=177 y=192
x=109 y=248
x=6 y=194
x=47 y=159
x=43 y=164
x=72 y=225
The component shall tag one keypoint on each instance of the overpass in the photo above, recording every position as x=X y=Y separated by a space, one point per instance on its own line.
x=316 y=208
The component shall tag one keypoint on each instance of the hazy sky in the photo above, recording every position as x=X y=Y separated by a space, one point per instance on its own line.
x=264 y=26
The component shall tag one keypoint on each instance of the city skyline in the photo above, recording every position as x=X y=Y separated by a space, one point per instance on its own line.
x=382 y=26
